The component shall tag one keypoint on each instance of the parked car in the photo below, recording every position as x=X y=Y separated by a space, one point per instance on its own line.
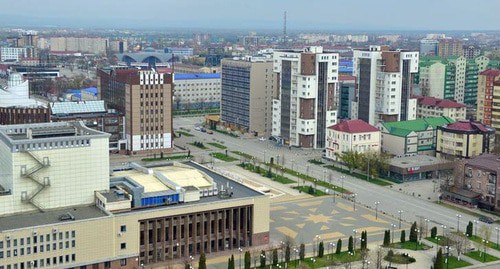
x=203 y=130
x=486 y=219
x=262 y=138
x=210 y=132
x=197 y=128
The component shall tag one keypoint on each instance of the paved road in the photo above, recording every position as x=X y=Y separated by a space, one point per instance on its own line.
x=391 y=201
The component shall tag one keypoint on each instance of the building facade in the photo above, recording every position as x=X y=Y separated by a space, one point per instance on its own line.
x=464 y=139
x=246 y=95
x=95 y=45
x=197 y=91
x=12 y=54
x=351 y=135
x=347 y=92
x=428 y=107
x=429 y=47
x=449 y=47
x=486 y=94
x=307 y=96
x=145 y=98
x=384 y=84
x=414 y=137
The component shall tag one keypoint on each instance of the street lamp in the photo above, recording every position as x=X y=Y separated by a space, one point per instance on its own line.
x=416 y=242
x=426 y=226
x=342 y=179
x=240 y=250
x=485 y=242
x=313 y=260
x=332 y=247
x=317 y=237
x=354 y=201
x=351 y=254
x=334 y=193
x=354 y=237
x=393 y=226
x=444 y=227
x=400 y=213
x=296 y=251
x=265 y=156
x=437 y=244
x=476 y=223
x=458 y=222
x=497 y=229
x=376 y=209
x=324 y=175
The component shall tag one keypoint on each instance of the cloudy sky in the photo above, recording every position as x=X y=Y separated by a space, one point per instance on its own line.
x=258 y=14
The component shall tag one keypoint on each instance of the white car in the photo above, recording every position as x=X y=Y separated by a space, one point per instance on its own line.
x=197 y=128
x=262 y=139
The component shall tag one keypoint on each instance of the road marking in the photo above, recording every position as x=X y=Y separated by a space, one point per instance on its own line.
x=277 y=208
x=349 y=218
x=331 y=235
x=314 y=203
x=287 y=231
x=373 y=219
x=292 y=212
x=324 y=227
x=313 y=209
x=345 y=207
x=301 y=225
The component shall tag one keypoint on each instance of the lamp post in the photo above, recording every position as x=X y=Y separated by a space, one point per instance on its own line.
x=354 y=232
x=400 y=213
x=307 y=170
x=317 y=237
x=476 y=223
x=437 y=244
x=393 y=226
x=497 y=229
x=444 y=227
x=313 y=260
x=426 y=227
x=354 y=201
x=332 y=247
x=334 y=193
x=416 y=242
x=265 y=156
x=485 y=242
x=240 y=250
x=376 y=209
x=351 y=254
x=296 y=251
x=324 y=175
x=342 y=179
x=458 y=222
x=263 y=258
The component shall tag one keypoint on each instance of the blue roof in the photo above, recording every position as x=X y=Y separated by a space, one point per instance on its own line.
x=91 y=90
x=196 y=76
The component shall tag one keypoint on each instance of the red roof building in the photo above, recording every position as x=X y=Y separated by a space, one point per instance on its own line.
x=354 y=126
x=351 y=135
x=435 y=107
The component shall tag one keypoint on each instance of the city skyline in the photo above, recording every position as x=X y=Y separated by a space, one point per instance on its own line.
x=224 y=14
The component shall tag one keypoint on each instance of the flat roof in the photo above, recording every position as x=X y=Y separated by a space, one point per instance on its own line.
x=185 y=176
x=148 y=181
x=34 y=219
x=414 y=161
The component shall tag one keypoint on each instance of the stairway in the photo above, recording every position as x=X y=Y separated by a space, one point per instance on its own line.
x=42 y=183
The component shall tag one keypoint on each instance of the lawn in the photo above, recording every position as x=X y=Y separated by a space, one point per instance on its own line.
x=198 y=145
x=314 y=161
x=480 y=256
x=184 y=133
x=328 y=260
x=410 y=245
x=167 y=158
x=442 y=240
x=226 y=133
x=376 y=181
x=265 y=173
x=242 y=154
x=306 y=189
x=399 y=258
x=223 y=157
x=478 y=239
x=453 y=262
x=217 y=145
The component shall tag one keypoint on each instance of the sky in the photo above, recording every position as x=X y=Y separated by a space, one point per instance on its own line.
x=256 y=14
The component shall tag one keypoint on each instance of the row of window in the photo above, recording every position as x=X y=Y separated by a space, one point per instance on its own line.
x=37 y=239
x=35 y=249
x=42 y=262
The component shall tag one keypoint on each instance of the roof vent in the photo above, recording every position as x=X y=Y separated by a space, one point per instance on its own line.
x=66 y=217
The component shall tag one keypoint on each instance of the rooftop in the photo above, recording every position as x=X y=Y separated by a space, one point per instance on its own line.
x=491 y=72
x=34 y=219
x=436 y=102
x=197 y=76
x=77 y=107
x=403 y=128
x=485 y=161
x=354 y=126
x=468 y=126
x=415 y=161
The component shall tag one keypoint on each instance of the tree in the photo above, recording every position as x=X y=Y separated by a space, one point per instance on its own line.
x=339 y=246
x=439 y=262
x=387 y=238
x=187 y=265
x=380 y=255
x=302 y=251
x=350 y=247
x=321 y=249
x=460 y=241
x=469 y=229
x=231 y=262
x=413 y=233
x=351 y=159
x=287 y=253
x=202 y=262
x=262 y=259
x=248 y=260
x=364 y=240
x=434 y=232
x=275 y=257
x=403 y=236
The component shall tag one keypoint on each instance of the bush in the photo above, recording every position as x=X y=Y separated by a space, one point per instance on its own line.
x=339 y=246
x=403 y=236
x=434 y=232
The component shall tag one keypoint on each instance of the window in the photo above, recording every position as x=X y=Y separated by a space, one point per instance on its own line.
x=123 y=245
x=123 y=262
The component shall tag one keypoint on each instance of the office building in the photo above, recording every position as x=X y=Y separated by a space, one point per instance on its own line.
x=307 y=96
x=428 y=107
x=450 y=47
x=145 y=98
x=246 y=95
x=179 y=52
x=486 y=95
x=429 y=47
x=197 y=91
x=138 y=217
x=351 y=136
x=12 y=54
x=413 y=137
x=347 y=92
x=464 y=139
x=384 y=81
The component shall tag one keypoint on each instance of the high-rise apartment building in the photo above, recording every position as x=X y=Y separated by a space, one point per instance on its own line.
x=384 y=84
x=306 y=100
x=145 y=98
x=95 y=45
x=485 y=96
x=347 y=94
x=471 y=52
x=449 y=47
x=428 y=47
x=246 y=94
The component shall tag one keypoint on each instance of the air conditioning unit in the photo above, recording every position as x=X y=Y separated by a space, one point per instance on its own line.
x=7 y=237
x=35 y=233
x=120 y=234
x=54 y=230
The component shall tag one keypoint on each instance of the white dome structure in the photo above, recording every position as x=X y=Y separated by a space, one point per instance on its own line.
x=17 y=93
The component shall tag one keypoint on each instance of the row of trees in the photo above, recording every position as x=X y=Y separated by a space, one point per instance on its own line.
x=376 y=164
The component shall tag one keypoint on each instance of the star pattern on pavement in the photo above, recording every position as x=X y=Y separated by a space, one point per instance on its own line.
x=317 y=218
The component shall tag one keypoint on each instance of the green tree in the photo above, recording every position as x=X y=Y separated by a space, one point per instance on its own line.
x=364 y=240
x=387 y=238
x=275 y=257
x=339 y=246
x=350 y=246
x=248 y=260
x=351 y=159
x=202 y=262
x=413 y=233
x=403 y=236
x=321 y=250
x=262 y=259
x=439 y=261
x=469 y=229
x=302 y=251
x=434 y=231
x=187 y=265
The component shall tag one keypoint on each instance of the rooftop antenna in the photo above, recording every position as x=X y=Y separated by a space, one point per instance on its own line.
x=284 y=29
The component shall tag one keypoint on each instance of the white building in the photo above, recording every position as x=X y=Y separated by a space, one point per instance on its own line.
x=351 y=135
x=197 y=91
x=51 y=165
x=384 y=83
x=308 y=95
x=429 y=107
x=17 y=93
x=12 y=54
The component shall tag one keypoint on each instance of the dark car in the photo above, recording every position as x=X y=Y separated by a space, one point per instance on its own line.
x=486 y=219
